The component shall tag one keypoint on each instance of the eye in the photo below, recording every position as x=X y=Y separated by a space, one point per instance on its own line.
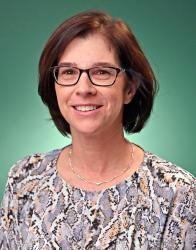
x=102 y=73
x=68 y=71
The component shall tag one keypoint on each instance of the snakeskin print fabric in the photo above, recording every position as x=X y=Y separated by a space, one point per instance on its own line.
x=153 y=209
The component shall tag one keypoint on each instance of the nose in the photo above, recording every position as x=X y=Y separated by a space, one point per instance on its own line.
x=84 y=86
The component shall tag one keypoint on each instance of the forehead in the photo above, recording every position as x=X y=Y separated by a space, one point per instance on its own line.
x=90 y=49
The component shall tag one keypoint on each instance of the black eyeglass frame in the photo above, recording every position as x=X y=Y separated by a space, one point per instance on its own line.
x=118 y=70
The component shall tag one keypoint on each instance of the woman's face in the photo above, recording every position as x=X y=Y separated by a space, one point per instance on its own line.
x=91 y=109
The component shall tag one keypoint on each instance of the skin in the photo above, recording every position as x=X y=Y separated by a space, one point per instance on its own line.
x=97 y=136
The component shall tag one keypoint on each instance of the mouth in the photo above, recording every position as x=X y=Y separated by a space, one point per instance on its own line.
x=86 y=108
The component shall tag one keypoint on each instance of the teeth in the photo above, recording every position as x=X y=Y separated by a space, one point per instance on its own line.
x=85 y=108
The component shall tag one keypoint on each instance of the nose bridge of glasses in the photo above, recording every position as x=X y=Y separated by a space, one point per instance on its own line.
x=81 y=71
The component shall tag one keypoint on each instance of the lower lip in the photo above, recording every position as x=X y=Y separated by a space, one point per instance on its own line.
x=87 y=113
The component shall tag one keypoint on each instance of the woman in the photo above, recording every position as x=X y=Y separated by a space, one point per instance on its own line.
x=102 y=191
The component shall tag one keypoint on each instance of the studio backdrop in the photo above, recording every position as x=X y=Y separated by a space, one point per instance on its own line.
x=166 y=32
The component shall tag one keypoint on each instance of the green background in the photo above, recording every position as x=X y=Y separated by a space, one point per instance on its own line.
x=166 y=31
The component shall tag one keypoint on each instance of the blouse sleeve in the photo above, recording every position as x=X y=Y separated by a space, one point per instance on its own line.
x=9 y=235
x=22 y=179
x=180 y=228
x=9 y=226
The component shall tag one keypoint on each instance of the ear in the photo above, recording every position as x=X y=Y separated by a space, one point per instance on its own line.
x=129 y=93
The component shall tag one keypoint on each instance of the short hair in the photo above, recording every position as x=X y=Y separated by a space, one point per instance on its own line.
x=129 y=53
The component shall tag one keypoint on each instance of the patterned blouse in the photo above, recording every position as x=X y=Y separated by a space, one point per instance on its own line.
x=155 y=208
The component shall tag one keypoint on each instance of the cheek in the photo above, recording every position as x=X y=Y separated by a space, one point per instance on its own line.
x=61 y=94
x=116 y=101
x=57 y=92
x=61 y=99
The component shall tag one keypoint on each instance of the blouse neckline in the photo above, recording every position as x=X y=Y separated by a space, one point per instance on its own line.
x=131 y=178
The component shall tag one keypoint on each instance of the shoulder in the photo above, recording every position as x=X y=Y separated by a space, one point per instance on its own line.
x=32 y=162
x=167 y=173
x=166 y=181
x=32 y=167
x=174 y=190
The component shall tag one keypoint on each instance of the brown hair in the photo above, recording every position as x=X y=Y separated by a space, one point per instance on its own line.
x=129 y=53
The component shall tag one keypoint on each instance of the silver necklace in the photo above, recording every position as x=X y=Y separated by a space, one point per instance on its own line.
x=99 y=183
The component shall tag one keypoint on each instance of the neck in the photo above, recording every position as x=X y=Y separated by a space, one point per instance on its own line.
x=99 y=155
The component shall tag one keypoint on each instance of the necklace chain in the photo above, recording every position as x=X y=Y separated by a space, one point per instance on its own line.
x=99 y=183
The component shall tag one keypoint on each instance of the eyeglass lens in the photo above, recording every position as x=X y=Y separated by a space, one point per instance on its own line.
x=102 y=76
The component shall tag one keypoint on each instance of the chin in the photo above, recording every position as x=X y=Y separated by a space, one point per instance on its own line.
x=87 y=131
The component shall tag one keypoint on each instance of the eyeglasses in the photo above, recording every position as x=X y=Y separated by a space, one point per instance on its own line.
x=99 y=76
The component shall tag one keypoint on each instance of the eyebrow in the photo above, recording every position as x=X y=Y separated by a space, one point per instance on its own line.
x=104 y=64
x=72 y=64
x=67 y=64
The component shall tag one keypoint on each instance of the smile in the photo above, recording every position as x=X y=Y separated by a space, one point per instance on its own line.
x=86 y=108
